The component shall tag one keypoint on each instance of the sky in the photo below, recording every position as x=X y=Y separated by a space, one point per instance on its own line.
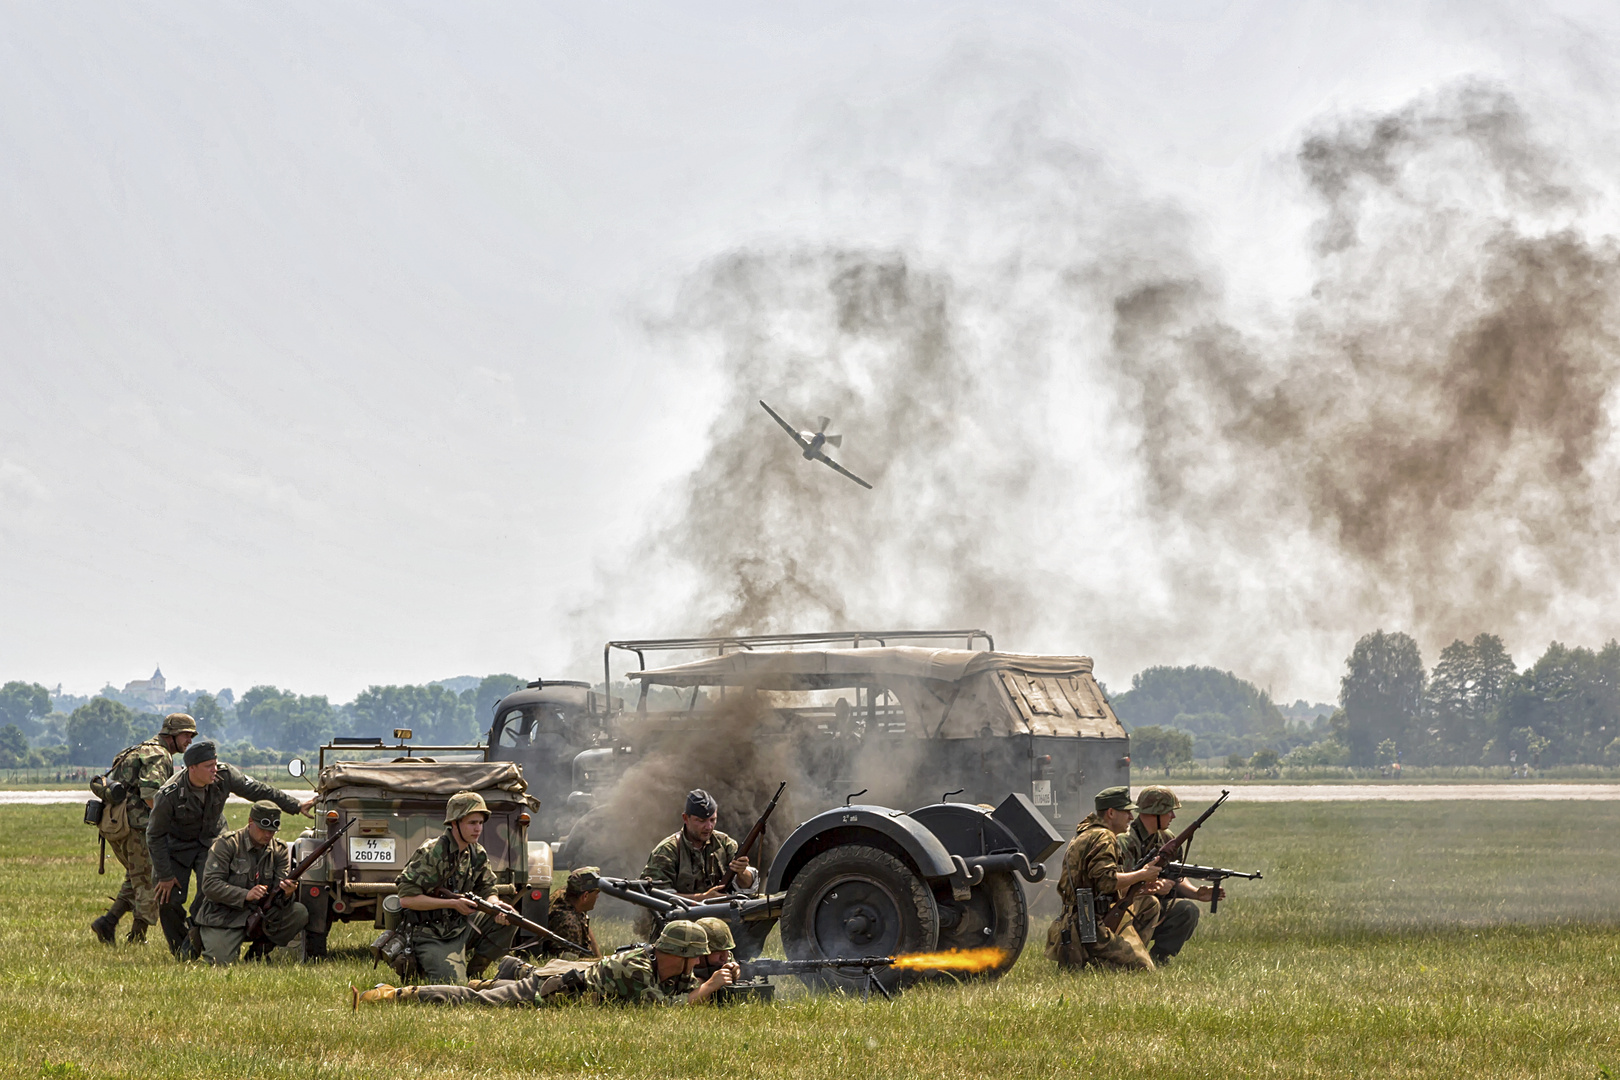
x=336 y=339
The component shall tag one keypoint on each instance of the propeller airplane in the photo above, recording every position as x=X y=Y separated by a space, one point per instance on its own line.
x=811 y=442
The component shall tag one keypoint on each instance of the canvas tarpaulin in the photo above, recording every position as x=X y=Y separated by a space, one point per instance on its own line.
x=429 y=779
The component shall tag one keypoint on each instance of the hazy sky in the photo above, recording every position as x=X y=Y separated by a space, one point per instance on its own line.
x=328 y=349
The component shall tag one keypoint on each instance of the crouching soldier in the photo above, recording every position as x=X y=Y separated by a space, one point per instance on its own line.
x=1093 y=862
x=244 y=867
x=656 y=974
x=1178 y=914
x=569 y=915
x=443 y=931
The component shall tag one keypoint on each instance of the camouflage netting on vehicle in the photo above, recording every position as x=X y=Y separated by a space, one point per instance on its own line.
x=368 y=779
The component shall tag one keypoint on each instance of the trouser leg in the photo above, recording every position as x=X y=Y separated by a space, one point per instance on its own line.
x=285 y=922
x=1127 y=947
x=514 y=967
x=488 y=941
x=137 y=889
x=222 y=944
x=501 y=992
x=173 y=915
x=443 y=961
x=1176 y=926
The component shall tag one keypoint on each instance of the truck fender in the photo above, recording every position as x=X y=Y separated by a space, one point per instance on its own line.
x=847 y=824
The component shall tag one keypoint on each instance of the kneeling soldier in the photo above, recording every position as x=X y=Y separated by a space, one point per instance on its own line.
x=242 y=868
x=1093 y=862
x=441 y=930
x=656 y=974
x=1178 y=916
x=569 y=915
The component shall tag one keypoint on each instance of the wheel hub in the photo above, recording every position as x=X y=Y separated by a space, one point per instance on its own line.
x=856 y=918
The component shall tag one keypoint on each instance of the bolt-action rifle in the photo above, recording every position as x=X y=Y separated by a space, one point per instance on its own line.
x=518 y=920
x=1162 y=856
x=754 y=835
x=258 y=909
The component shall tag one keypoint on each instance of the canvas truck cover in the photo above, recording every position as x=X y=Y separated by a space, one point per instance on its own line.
x=434 y=780
x=946 y=693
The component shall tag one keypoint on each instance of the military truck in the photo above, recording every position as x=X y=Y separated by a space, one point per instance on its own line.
x=543 y=727
x=396 y=796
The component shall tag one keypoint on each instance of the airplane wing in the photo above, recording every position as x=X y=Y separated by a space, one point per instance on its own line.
x=787 y=427
x=830 y=463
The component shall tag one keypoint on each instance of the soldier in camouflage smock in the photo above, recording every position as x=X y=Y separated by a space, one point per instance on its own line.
x=1093 y=862
x=1178 y=914
x=569 y=914
x=138 y=772
x=693 y=862
x=441 y=930
x=656 y=974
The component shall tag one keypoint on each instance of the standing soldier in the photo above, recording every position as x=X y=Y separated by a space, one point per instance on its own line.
x=1093 y=862
x=242 y=868
x=1178 y=914
x=693 y=862
x=569 y=914
x=441 y=929
x=138 y=772
x=188 y=815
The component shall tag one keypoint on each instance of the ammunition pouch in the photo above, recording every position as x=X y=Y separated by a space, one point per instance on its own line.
x=93 y=809
x=1085 y=916
x=393 y=947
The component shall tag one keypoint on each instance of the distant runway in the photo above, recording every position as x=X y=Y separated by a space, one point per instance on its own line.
x=1404 y=791
x=42 y=798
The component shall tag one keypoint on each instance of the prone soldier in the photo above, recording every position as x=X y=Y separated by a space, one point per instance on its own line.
x=136 y=775
x=693 y=861
x=1178 y=914
x=243 y=867
x=188 y=815
x=656 y=974
x=1093 y=862
x=440 y=928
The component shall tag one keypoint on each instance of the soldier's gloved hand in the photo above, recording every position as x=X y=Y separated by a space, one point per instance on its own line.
x=257 y=893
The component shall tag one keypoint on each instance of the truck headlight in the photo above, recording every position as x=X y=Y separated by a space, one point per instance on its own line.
x=539 y=864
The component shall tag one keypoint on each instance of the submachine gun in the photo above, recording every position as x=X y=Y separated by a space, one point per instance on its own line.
x=258 y=909
x=1164 y=857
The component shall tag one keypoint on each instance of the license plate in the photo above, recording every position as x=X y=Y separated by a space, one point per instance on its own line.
x=1042 y=793
x=371 y=849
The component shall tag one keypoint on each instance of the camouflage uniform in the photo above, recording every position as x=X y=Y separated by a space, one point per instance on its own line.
x=440 y=937
x=1092 y=861
x=1178 y=915
x=564 y=921
x=234 y=866
x=185 y=823
x=142 y=769
x=678 y=864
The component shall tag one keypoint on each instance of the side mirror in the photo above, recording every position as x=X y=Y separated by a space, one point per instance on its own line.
x=295 y=767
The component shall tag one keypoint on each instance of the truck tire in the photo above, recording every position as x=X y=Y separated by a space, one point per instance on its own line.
x=996 y=915
x=857 y=901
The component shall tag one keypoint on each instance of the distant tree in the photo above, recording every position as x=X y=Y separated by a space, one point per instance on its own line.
x=1567 y=702
x=1157 y=747
x=434 y=714
x=1381 y=694
x=488 y=695
x=1464 y=700
x=1264 y=760
x=13 y=747
x=209 y=714
x=97 y=731
x=1198 y=699
x=23 y=704
x=282 y=720
x=1236 y=762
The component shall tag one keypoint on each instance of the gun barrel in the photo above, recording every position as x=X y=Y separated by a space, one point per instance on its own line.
x=753 y=968
x=1205 y=873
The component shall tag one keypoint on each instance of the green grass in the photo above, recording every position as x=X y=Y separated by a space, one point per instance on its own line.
x=1426 y=939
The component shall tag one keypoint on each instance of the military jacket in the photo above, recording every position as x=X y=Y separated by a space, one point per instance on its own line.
x=631 y=977
x=143 y=769
x=1092 y=861
x=438 y=865
x=186 y=820
x=676 y=864
x=564 y=921
x=1139 y=843
x=234 y=866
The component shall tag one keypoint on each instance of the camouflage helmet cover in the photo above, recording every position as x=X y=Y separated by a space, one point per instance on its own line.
x=179 y=723
x=1157 y=800
x=463 y=803
x=684 y=939
x=582 y=880
x=720 y=938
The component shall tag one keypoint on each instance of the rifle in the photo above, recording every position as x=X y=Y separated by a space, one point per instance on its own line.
x=865 y=965
x=753 y=836
x=258 y=909
x=513 y=917
x=1212 y=874
x=1163 y=855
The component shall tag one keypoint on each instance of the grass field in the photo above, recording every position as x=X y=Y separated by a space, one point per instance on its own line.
x=1431 y=939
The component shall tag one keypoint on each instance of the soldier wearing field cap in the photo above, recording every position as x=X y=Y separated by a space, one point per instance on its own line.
x=1093 y=862
x=569 y=914
x=1178 y=914
x=128 y=791
x=243 y=868
x=693 y=861
x=656 y=974
x=188 y=815
x=444 y=931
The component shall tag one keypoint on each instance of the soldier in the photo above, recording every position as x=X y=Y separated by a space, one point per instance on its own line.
x=656 y=974
x=1093 y=862
x=243 y=866
x=569 y=917
x=693 y=861
x=142 y=769
x=441 y=929
x=721 y=943
x=188 y=815
x=1178 y=914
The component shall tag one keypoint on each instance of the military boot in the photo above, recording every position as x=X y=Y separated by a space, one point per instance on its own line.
x=137 y=932
x=380 y=992
x=106 y=927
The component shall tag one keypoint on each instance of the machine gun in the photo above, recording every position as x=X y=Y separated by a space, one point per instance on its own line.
x=517 y=920
x=1212 y=874
x=753 y=837
x=853 y=966
x=258 y=909
x=1159 y=858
